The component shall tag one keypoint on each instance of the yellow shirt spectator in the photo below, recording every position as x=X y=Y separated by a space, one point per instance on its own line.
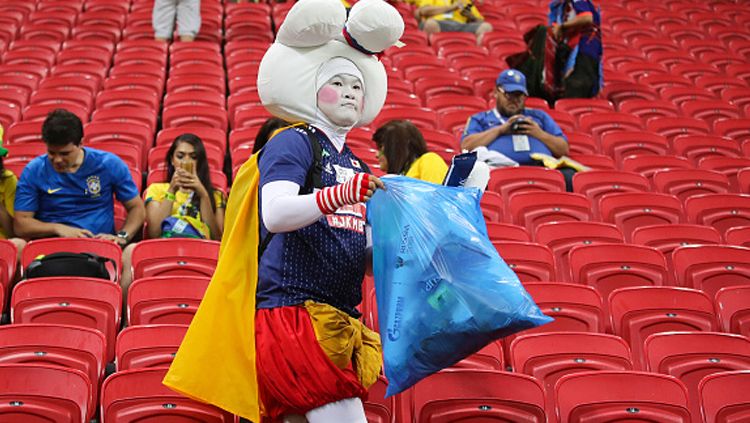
x=455 y=15
x=157 y=192
x=428 y=167
x=8 y=182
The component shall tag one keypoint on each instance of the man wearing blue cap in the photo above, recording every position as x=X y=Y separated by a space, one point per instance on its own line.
x=514 y=130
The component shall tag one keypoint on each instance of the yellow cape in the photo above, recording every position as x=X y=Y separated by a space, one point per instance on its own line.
x=216 y=360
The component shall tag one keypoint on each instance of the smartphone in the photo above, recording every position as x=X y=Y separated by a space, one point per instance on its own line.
x=516 y=126
x=187 y=166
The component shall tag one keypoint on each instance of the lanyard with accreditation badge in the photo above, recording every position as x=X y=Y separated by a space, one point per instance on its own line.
x=520 y=141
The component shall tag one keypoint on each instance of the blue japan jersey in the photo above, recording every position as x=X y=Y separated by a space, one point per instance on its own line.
x=483 y=121
x=325 y=261
x=82 y=199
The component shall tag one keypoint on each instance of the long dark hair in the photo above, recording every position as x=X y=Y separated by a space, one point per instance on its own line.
x=271 y=124
x=401 y=143
x=201 y=162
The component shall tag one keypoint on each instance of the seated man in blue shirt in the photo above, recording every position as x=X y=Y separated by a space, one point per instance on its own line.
x=68 y=191
x=514 y=130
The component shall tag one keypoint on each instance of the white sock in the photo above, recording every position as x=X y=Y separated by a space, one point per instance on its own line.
x=349 y=410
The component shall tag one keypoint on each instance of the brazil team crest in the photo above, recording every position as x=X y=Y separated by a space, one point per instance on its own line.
x=93 y=186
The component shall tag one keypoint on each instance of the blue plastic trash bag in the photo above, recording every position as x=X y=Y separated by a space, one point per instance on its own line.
x=443 y=292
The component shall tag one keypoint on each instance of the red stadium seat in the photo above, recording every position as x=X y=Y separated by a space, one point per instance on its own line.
x=710 y=110
x=165 y=299
x=378 y=408
x=100 y=247
x=174 y=257
x=640 y=311
x=128 y=115
x=596 y=183
x=531 y=209
x=697 y=147
x=420 y=116
x=214 y=136
x=671 y=127
x=680 y=94
x=608 y=267
x=531 y=262
x=512 y=180
x=138 y=395
x=507 y=232
x=691 y=356
x=733 y=309
x=550 y=356
x=580 y=107
x=647 y=164
x=601 y=124
x=39 y=392
x=575 y=308
x=427 y=87
x=635 y=209
x=475 y=395
x=618 y=92
x=722 y=211
x=621 y=396
x=74 y=301
x=621 y=144
x=72 y=347
x=723 y=396
x=562 y=236
x=8 y=259
x=666 y=238
x=210 y=116
x=738 y=235
x=735 y=129
x=686 y=183
x=728 y=166
x=711 y=267
x=646 y=109
x=148 y=346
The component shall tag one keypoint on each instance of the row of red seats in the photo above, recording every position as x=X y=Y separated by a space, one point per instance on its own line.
x=548 y=386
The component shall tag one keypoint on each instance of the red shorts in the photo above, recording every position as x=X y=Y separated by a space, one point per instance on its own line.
x=294 y=373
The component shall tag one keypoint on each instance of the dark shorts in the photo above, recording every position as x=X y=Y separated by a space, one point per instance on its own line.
x=453 y=26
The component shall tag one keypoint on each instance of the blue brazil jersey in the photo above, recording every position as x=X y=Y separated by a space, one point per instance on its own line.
x=82 y=199
x=325 y=261
x=483 y=121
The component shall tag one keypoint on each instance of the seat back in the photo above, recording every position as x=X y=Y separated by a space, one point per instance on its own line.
x=562 y=236
x=711 y=267
x=550 y=356
x=666 y=238
x=733 y=309
x=378 y=408
x=511 y=180
x=691 y=356
x=685 y=183
x=632 y=210
x=165 y=299
x=531 y=209
x=39 y=392
x=477 y=395
x=57 y=345
x=531 y=262
x=722 y=211
x=73 y=301
x=138 y=395
x=146 y=346
x=179 y=257
x=621 y=396
x=723 y=396
x=575 y=308
x=638 y=312
x=611 y=266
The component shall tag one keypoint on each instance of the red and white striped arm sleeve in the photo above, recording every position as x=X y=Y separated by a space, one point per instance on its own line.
x=353 y=191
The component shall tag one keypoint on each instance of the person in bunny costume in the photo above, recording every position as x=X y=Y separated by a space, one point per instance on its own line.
x=285 y=339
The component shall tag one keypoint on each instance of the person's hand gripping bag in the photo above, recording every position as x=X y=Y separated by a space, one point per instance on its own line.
x=443 y=292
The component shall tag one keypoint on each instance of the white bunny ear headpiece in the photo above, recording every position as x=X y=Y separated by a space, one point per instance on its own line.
x=316 y=31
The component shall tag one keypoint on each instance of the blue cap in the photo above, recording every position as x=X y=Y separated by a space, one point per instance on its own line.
x=512 y=80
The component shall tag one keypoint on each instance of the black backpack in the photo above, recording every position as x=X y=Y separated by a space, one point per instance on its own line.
x=69 y=264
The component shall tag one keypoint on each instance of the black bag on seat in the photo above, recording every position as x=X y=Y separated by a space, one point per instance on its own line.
x=69 y=264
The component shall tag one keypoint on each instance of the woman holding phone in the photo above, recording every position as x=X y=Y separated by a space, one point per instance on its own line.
x=187 y=205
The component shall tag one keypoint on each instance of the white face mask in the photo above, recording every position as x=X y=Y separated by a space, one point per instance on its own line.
x=341 y=99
